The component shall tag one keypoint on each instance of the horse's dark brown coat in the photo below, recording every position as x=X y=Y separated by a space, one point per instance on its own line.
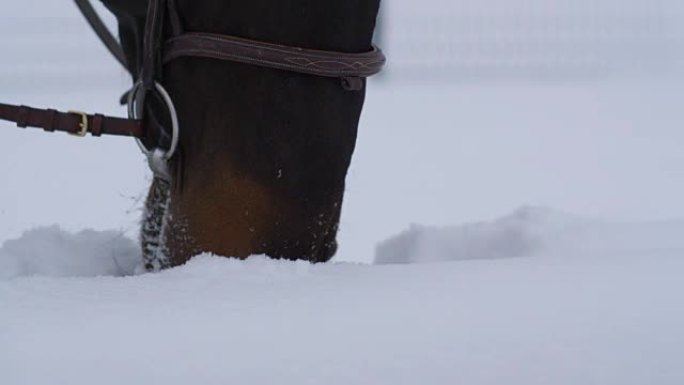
x=263 y=153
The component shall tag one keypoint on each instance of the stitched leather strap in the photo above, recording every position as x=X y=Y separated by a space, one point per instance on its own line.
x=307 y=61
x=71 y=122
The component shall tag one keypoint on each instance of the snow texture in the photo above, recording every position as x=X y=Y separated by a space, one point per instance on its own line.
x=529 y=231
x=607 y=311
x=50 y=251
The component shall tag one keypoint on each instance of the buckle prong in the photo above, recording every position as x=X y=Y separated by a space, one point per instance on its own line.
x=83 y=126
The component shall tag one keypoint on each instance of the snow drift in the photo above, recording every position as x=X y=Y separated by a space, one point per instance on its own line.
x=530 y=231
x=610 y=313
x=50 y=251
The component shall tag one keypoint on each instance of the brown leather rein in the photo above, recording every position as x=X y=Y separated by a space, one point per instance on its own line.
x=349 y=67
x=72 y=122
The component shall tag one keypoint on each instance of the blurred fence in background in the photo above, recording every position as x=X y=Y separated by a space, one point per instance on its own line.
x=458 y=39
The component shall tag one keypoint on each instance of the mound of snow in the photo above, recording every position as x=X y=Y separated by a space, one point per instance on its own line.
x=565 y=321
x=529 y=231
x=50 y=251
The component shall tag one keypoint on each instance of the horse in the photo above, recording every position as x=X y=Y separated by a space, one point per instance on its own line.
x=262 y=153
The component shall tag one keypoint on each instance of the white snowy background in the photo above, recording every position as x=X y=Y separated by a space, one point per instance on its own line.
x=518 y=188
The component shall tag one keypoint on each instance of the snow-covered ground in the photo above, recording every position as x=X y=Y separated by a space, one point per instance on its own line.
x=468 y=287
x=601 y=305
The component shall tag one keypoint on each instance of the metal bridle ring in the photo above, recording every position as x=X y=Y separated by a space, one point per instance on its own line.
x=134 y=107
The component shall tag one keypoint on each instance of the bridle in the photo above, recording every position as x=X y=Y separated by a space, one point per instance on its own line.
x=350 y=68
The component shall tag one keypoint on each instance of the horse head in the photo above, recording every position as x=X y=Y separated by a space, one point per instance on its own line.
x=263 y=153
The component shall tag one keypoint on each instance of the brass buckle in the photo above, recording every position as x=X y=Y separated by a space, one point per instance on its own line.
x=83 y=125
